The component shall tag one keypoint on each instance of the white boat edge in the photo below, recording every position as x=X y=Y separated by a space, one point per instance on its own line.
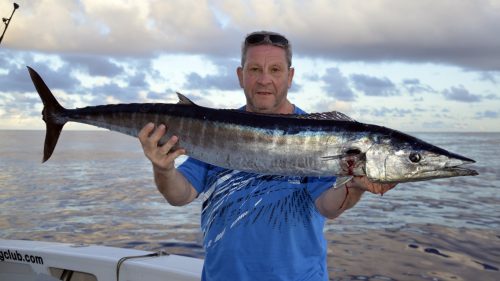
x=22 y=260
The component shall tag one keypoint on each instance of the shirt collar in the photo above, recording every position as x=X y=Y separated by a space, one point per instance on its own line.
x=296 y=110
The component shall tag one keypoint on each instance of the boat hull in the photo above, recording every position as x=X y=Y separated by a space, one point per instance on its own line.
x=34 y=260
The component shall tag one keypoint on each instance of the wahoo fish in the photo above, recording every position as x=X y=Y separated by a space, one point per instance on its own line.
x=318 y=144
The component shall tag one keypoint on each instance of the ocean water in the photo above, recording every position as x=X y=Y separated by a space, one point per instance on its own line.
x=98 y=188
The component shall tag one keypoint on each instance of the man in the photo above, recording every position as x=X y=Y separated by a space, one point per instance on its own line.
x=256 y=227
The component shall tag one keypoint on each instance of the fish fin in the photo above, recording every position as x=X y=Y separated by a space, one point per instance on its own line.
x=184 y=100
x=331 y=115
x=52 y=114
x=51 y=138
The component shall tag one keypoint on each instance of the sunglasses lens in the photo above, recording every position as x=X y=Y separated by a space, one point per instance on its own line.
x=278 y=39
x=255 y=38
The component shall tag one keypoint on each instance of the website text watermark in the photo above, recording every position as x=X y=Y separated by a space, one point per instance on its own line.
x=14 y=255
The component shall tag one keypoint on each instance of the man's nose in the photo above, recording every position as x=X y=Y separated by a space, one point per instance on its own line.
x=264 y=78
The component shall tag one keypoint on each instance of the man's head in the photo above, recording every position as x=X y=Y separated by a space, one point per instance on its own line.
x=266 y=73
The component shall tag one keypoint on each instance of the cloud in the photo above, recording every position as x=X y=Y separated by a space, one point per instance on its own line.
x=373 y=86
x=420 y=110
x=222 y=82
x=93 y=65
x=128 y=86
x=138 y=80
x=101 y=94
x=491 y=76
x=296 y=87
x=487 y=114
x=224 y=78
x=118 y=27
x=492 y=97
x=440 y=114
x=461 y=94
x=17 y=79
x=337 y=85
x=24 y=105
x=414 y=86
x=436 y=125
x=390 y=112
x=462 y=33
x=161 y=97
x=64 y=78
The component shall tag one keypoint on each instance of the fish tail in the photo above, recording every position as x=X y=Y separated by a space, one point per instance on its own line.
x=53 y=114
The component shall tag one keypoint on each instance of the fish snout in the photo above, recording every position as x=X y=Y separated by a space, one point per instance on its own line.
x=455 y=160
x=454 y=166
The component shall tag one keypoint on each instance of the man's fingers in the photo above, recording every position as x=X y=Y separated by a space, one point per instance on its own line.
x=165 y=148
x=176 y=153
x=145 y=132
x=362 y=182
x=168 y=159
x=158 y=133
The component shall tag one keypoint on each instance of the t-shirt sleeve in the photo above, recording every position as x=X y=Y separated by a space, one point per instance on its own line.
x=317 y=185
x=195 y=172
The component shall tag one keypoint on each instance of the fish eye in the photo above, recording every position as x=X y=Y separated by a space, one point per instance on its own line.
x=415 y=157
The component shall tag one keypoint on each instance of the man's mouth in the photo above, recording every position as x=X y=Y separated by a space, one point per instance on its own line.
x=264 y=93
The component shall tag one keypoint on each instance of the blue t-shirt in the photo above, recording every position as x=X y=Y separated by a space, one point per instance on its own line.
x=259 y=227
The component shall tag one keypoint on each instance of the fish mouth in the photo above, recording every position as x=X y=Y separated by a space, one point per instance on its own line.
x=460 y=171
x=454 y=166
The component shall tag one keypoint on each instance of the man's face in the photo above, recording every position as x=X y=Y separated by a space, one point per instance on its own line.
x=265 y=79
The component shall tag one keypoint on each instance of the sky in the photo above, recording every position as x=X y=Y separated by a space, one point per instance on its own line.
x=414 y=66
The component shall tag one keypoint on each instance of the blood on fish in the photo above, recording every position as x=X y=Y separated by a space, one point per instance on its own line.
x=350 y=166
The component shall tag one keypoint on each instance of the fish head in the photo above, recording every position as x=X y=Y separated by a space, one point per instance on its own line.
x=398 y=157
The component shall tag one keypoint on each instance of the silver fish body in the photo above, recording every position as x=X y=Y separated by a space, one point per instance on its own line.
x=322 y=144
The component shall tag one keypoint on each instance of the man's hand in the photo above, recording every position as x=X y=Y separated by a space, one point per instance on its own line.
x=170 y=182
x=163 y=156
x=363 y=183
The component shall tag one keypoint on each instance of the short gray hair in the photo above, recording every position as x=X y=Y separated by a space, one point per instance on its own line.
x=266 y=41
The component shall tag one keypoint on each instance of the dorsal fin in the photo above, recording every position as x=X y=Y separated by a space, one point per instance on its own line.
x=331 y=115
x=184 y=100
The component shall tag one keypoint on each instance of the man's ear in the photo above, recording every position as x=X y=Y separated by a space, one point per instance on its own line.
x=291 y=72
x=239 y=72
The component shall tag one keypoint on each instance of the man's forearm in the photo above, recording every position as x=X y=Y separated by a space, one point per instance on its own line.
x=174 y=187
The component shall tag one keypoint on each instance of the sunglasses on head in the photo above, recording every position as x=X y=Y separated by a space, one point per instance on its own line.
x=258 y=38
